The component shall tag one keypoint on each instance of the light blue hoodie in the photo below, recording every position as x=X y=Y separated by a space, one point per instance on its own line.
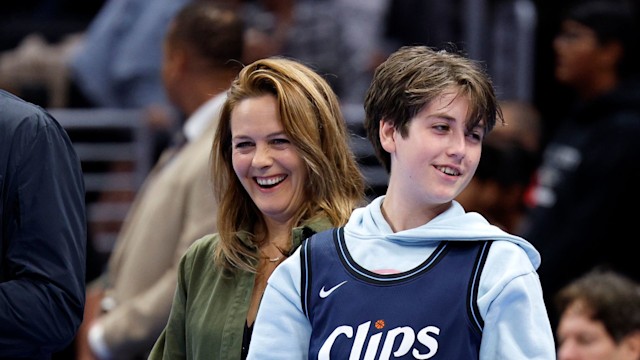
x=516 y=324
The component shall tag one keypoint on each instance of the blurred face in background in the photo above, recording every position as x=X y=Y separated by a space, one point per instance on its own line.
x=582 y=338
x=170 y=68
x=577 y=54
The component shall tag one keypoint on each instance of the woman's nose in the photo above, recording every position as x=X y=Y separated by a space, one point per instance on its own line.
x=262 y=156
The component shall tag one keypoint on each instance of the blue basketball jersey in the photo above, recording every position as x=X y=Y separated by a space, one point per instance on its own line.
x=429 y=312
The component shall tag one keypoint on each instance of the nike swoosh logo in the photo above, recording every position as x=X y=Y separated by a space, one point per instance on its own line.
x=324 y=293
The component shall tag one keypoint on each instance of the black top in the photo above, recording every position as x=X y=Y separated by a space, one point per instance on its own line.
x=585 y=204
x=43 y=233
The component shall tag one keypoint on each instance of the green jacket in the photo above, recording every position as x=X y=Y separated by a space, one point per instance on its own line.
x=209 y=309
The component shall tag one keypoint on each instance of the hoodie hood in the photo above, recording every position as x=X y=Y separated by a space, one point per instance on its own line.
x=452 y=225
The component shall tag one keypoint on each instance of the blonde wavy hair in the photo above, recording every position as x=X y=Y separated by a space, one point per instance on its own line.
x=312 y=119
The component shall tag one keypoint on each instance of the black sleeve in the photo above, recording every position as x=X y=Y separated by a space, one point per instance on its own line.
x=42 y=288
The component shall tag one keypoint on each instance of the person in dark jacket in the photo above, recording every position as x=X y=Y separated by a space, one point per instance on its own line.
x=583 y=200
x=43 y=233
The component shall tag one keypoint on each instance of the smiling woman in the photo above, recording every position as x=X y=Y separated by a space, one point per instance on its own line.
x=267 y=164
x=282 y=170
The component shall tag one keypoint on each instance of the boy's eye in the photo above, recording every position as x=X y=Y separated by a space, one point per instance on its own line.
x=478 y=136
x=441 y=127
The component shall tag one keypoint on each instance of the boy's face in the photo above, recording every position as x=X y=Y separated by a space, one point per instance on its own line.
x=438 y=157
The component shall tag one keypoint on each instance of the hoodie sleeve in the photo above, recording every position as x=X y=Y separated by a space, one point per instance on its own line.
x=510 y=301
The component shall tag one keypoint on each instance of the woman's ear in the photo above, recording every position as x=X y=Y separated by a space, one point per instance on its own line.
x=387 y=136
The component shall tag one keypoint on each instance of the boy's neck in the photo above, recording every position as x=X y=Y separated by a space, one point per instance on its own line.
x=404 y=215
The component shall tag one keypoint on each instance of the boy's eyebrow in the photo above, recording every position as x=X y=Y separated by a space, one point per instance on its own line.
x=443 y=116
x=479 y=125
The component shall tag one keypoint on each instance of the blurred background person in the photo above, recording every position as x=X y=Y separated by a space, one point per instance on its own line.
x=578 y=212
x=27 y=28
x=599 y=318
x=53 y=19
x=117 y=63
x=509 y=157
x=43 y=233
x=129 y=304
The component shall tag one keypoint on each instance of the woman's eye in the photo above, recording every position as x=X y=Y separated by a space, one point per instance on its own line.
x=242 y=145
x=280 y=141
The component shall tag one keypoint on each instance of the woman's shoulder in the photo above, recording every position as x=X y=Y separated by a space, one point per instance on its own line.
x=198 y=260
x=318 y=223
x=204 y=246
x=311 y=226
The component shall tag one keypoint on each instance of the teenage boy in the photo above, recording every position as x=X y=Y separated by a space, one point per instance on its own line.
x=412 y=275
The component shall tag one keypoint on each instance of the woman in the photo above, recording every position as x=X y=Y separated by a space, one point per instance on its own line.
x=282 y=171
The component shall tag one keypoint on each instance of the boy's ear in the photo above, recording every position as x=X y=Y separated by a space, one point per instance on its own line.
x=387 y=139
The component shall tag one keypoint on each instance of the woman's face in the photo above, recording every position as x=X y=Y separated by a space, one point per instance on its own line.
x=265 y=161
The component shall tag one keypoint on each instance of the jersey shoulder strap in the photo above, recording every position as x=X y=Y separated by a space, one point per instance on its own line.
x=323 y=241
